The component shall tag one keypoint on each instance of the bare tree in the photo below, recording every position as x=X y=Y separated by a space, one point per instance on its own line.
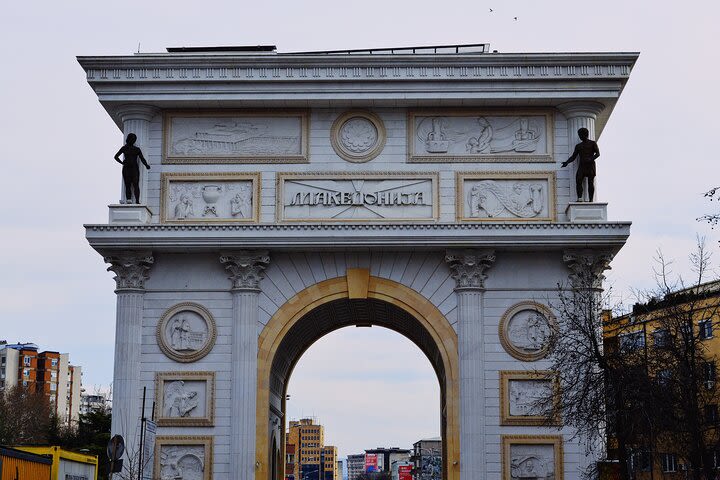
x=712 y=218
x=602 y=388
x=682 y=316
x=25 y=416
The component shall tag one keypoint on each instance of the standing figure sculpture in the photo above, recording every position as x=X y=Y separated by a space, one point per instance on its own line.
x=131 y=168
x=587 y=150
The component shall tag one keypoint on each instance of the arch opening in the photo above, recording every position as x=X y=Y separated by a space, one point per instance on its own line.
x=326 y=307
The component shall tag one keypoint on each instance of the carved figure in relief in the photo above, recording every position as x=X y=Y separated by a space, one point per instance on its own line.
x=180 y=401
x=587 y=152
x=241 y=202
x=531 y=333
x=526 y=138
x=482 y=141
x=520 y=200
x=184 y=208
x=182 y=336
x=181 y=463
x=131 y=168
x=526 y=397
x=530 y=467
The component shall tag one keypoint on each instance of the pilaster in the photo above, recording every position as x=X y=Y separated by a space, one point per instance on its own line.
x=131 y=270
x=587 y=267
x=580 y=115
x=136 y=119
x=245 y=270
x=468 y=268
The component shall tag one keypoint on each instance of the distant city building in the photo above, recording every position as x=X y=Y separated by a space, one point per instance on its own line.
x=355 y=465
x=307 y=456
x=340 y=475
x=48 y=372
x=90 y=403
x=427 y=459
x=381 y=459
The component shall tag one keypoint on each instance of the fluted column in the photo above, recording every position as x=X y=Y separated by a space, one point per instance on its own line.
x=246 y=271
x=587 y=269
x=136 y=119
x=131 y=270
x=468 y=269
x=580 y=115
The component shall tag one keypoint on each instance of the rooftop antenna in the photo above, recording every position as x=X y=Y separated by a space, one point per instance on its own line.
x=138 y=47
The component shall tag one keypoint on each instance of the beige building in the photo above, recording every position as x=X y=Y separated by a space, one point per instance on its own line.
x=306 y=455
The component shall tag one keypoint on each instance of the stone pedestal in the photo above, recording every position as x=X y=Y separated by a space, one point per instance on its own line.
x=130 y=270
x=468 y=269
x=586 y=212
x=245 y=270
x=129 y=214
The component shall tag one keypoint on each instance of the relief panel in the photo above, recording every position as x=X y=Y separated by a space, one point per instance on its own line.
x=495 y=196
x=210 y=198
x=358 y=136
x=183 y=458
x=236 y=137
x=528 y=398
x=479 y=136
x=526 y=329
x=528 y=457
x=185 y=398
x=186 y=332
x=357 y=197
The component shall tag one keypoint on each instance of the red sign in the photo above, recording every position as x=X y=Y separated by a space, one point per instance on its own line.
x=405 y=472
x=371 y=462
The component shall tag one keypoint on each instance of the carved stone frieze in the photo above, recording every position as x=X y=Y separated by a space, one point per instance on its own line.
x=245 y=267
x=587 y=267
x=130 y=268
x=186 y=332
x=468 y=267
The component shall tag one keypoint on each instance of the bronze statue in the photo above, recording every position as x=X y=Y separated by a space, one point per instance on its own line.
x=588 y=151
x=131 y=169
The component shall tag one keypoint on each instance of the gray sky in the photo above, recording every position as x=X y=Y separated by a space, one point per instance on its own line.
x=658 y=157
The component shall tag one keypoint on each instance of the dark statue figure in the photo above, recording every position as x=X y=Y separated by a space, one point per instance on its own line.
x=131 y=168
x=587 y=150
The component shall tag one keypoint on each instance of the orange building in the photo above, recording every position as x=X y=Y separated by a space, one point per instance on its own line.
x=306 y=455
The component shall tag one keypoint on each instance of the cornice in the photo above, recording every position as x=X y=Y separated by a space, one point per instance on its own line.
x=299 y=68
x=411 y=235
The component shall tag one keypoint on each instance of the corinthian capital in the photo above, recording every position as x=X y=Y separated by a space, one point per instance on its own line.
x=468 y=267
x=245 y=267
x=130 y=268
x=587 y=267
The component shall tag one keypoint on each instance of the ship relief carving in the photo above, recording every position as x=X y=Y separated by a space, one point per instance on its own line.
x=480 y=136
x=235 y=137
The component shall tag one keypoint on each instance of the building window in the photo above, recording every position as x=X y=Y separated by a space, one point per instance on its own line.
x=661 y=338
x=663 y=377
x=53 y=387
x=25 y=383
x=711 y=414
x=27 y=360
x=709 y=375
x=669 y=462
x=26 y=372
x=53 y=375
x=706 y=329
x=54 y=362
x=632 y=341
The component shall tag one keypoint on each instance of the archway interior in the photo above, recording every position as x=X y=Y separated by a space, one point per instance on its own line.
x=334 y=315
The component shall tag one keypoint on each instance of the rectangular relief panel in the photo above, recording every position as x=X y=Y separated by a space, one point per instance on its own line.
x=480 y=136
x=532 y=457
x=236 y=137
x=198 y=197
x=181 y=457
x=505 y=196
x=185 y=398
x=358 y=197
x=529 y=398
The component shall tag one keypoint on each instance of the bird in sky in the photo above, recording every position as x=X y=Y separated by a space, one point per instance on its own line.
x=515 y=18
x=491 y=10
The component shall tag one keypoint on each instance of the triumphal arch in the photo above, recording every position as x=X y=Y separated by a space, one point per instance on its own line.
x=292 y=194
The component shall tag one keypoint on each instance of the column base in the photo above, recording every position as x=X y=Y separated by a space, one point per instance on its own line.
x=584 y=212
x=129 y=214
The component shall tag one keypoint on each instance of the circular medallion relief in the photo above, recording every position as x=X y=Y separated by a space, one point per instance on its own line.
x=358 y=136
x=526 y=330
x=186 y=332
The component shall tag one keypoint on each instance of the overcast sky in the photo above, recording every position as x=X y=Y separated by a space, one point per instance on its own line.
x=658 y=157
